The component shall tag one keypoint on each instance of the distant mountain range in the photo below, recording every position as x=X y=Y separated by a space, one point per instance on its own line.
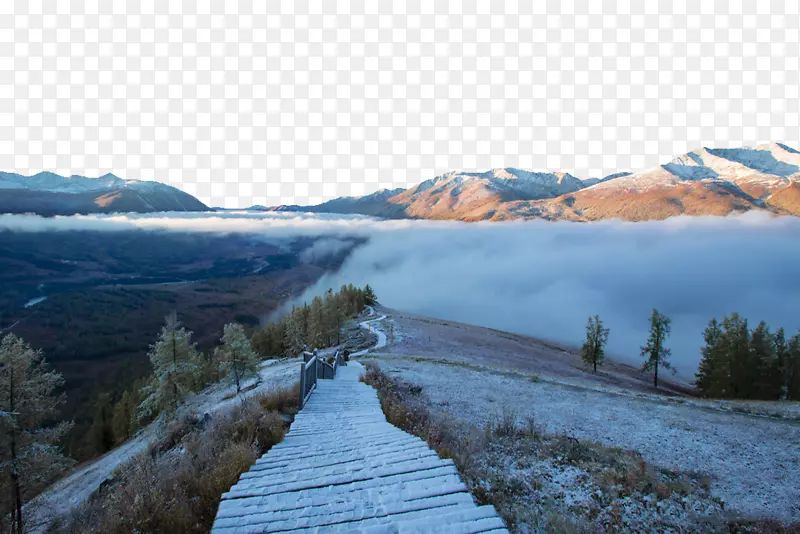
x=703 y=182
x=50 y=194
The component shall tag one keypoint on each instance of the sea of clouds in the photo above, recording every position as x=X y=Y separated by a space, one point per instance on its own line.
x=536 y=277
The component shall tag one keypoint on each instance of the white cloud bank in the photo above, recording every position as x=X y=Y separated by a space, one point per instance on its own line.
x=543 y=278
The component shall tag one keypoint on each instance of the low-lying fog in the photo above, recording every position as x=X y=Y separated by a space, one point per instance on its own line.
x=541 y=278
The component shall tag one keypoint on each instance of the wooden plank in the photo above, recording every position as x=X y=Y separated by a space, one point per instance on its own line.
x=342 y=467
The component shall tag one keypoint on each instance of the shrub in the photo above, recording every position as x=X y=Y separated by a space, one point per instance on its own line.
x=177 y=486
x=281 y=400
x=510 y=464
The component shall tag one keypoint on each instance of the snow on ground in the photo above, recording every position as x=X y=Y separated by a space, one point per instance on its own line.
x=75 y=489
x=373 y=325
x=273 y=374
x=343 y=468
x=754 y=462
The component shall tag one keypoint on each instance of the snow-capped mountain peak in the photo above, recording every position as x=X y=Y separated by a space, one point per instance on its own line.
x=52 y=194
x=55 y=183
x=767 y=165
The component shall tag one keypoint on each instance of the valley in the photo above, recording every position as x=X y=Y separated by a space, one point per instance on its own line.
x=100 y=298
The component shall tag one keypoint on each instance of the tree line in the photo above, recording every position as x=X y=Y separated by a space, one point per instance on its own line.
x=30 y=434
x=739 y=363
x=315 y=325
x=179 y=369
x=736 y=363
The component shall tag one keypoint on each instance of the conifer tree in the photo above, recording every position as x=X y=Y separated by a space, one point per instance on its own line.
x=276 y=337
x=793 y=369
x=329 y=310
x=763 y=364
x=122 y=419
x=654 y=351
x=101 y=433
x=318 y=324
x=294 y=335
x=736 y=344
x=315 y=335
x=593 y=352
x=708 y=378
x=29 y=451
x=175 y=362
x=369 y=295
x=236 y=354
x=340 y=316
x=782 y=360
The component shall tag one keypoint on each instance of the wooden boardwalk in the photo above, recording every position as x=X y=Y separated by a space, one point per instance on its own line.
x=343 y=468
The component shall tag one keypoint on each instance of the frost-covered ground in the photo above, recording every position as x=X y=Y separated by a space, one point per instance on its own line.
x=754 y=461
x=75 y=489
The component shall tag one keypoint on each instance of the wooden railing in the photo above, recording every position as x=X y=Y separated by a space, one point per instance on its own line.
x=308 y=376
x=314 y=368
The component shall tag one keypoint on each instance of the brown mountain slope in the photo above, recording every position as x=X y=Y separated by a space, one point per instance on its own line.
x=590 y=205
x=787 y=199
x=706 y=181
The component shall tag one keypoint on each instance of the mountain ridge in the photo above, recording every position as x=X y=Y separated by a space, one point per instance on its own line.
x=705 y=181
x=47 y=193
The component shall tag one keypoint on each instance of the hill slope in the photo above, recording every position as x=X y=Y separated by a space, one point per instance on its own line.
x=50 y=194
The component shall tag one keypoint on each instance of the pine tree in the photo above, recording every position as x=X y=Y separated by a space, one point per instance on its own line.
x=341 y=316
x=175 y=362
x=29 y=450
x=782 y=360
x=793 y=369
x=294 y=336
x=737 y=349
x=276 y=335
x=369 y=295
x=764 y=366
x=122 y=419
x=329 y=319
x=708 y=377
x=236 y=354
x=315 y=333
x=101 y=433
x=596 y=337
x=654 y=350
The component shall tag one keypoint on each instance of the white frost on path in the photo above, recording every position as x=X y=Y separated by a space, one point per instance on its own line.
x=344 y=468
x=381 y=336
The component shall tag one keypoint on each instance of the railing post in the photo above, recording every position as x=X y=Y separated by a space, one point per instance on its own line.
x=302 y=384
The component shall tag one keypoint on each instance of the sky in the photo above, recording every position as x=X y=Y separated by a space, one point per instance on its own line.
x=249 y=102
x=536 y=277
